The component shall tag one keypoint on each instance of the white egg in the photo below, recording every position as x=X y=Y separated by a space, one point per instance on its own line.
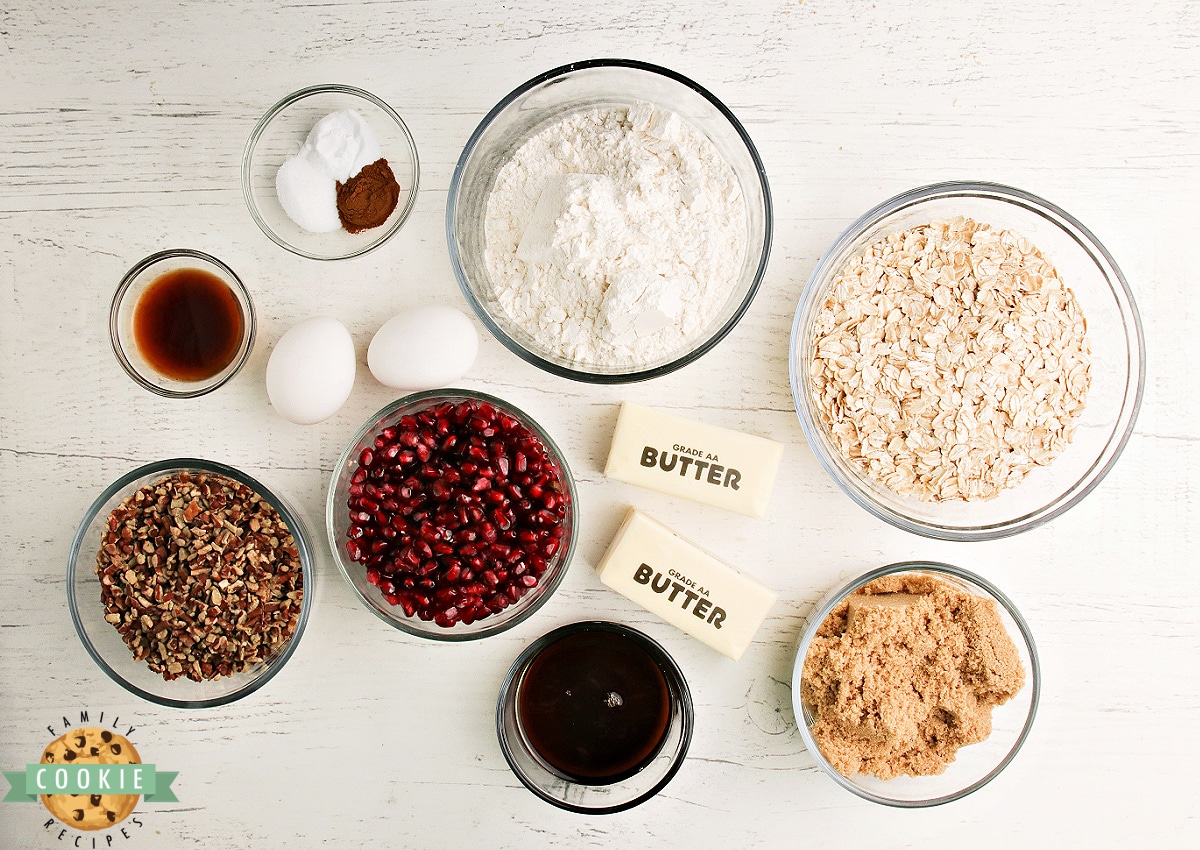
x=423 y=348
x=311 y=371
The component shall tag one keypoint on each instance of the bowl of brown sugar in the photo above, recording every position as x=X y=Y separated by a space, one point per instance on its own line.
x=915 y=684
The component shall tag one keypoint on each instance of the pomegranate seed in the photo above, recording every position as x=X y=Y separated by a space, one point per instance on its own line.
x=455 y=512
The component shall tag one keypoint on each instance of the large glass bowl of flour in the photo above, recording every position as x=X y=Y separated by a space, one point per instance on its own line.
x=609 y=221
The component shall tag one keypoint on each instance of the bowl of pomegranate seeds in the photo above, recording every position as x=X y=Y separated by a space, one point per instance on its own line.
x=452 y=515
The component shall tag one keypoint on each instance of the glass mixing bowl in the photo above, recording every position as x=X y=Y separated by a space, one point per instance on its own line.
x=547 y=99
x=975 y=765
x=1113 y=328
x=577 y=795
x=104 y=643
x=280 y=133
x=124 y=308
x=338 y=521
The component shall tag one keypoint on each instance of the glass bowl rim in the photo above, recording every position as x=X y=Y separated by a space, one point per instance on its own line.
x=229 y=277
x=666 y=663
x=406 y=625
x=814 y=432
x=566 y=371
x=285 y=511
x=816 y=618
x=296 y=97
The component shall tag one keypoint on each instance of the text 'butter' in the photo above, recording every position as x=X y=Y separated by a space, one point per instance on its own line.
x=687 y=587
x=682 y=457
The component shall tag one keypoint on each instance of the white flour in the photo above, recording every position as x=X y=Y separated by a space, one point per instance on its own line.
x=616 y=236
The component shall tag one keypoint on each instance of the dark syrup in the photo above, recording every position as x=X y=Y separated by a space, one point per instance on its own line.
x=188 y=325
x=594 y=706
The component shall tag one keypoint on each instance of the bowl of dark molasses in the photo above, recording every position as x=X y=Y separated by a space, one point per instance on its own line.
x=594 y=717
x=181 y=323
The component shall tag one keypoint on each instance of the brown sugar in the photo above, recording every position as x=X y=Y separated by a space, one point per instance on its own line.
x=897 y=683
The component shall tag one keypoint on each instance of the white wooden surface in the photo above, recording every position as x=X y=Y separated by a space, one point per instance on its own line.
x=121 y=130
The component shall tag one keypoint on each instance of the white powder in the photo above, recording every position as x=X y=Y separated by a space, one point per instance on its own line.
x=615 y=237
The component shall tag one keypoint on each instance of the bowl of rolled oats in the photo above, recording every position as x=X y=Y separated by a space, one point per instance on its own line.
x=967 y=361
x=189 y=582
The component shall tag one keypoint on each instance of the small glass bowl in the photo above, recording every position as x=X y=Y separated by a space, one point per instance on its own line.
x=337 y=521
x=549 y=98
x=570 y=794
x=976 y=764
x=280 y=133
x=104 y=643
x=124 y=304
x=1118 y=362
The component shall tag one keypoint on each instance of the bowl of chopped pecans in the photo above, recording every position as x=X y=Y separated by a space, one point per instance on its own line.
x=189 y=582
x=967 y=361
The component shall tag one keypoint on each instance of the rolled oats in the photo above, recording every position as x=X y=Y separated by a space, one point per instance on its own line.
x=950 y=359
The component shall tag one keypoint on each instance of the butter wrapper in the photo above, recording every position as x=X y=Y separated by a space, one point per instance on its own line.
x=689 y=588
x=683 y=457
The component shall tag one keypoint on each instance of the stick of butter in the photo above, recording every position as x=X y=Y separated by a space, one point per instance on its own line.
x=687 y=587
x=682 y=457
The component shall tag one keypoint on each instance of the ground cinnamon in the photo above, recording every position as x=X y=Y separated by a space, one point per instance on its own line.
x=368 y=198
x=903 y=673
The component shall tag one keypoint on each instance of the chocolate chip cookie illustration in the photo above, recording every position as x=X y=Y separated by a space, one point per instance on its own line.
x=90 y=746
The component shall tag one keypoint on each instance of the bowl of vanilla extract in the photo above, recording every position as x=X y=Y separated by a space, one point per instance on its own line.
x=594 y=717
x=181 y=323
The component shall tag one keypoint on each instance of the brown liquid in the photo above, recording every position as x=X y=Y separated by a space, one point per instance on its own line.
x=594 y=706
x=188 y=325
